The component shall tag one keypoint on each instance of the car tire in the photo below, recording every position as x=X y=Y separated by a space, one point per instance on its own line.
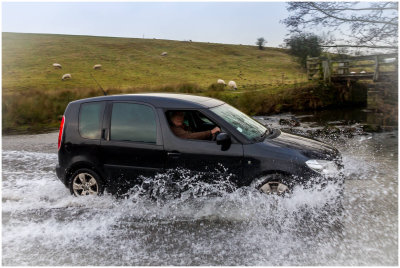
x=85 y=182
x=276 y=183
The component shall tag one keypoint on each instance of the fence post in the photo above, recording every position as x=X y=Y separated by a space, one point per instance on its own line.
x=340 y=69
x=330 y=65
x=346 y=65
x=326 y=68
x=376 y=72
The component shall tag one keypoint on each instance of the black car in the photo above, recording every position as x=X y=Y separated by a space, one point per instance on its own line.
x=113 y=141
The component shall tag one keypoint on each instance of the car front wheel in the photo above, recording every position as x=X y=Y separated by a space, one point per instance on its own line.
x=278 y=184
x=86 y=182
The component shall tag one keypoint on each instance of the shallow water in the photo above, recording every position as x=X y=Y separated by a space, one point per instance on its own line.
x=207 y=225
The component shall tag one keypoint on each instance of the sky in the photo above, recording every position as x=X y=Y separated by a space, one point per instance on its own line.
x=215 y=22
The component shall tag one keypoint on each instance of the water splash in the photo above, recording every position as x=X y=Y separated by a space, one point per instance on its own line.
x=194 y=222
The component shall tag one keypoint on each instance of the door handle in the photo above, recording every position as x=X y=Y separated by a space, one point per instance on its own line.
x=174 y=154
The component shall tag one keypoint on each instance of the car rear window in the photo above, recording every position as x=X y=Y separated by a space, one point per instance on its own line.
x=90 y=118
x=133 y=122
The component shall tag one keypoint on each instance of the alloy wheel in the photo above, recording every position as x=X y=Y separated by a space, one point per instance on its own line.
x=85 y=184
x=274 y=187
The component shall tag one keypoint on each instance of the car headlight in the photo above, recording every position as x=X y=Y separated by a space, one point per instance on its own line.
x=324 y=167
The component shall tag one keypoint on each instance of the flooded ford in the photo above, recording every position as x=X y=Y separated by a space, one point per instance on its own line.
x=165 y=221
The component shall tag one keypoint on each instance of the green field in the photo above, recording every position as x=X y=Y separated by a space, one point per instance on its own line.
x=34 y=96
x=136 y=63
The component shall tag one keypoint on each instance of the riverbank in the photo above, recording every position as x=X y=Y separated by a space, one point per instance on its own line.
x=40 y=112
x=332 y=122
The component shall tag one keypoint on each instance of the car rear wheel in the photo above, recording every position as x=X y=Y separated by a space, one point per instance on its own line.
x=86 y=182
x=277 y=184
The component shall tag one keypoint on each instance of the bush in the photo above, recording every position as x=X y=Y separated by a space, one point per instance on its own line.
x=217 y=87
x=38 y=109
x=181 y=88
x=303 y=45
x=188 y=88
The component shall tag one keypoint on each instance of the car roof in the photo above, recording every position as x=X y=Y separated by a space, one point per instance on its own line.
x=162 y=100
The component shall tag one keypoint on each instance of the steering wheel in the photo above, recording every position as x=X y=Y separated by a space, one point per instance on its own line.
x=214 y=136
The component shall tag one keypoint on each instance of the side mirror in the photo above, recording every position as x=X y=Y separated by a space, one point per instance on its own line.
x=224 y=140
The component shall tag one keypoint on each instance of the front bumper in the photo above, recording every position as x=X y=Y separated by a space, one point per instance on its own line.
x=316 y=180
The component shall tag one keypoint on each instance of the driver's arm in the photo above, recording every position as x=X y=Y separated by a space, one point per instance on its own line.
x=203 y=135
x=180 y=132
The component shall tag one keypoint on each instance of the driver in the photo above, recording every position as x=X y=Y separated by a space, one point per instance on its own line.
x=182 y=131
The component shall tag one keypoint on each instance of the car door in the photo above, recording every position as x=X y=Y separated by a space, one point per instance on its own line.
x=201 y=156
x=131 y=143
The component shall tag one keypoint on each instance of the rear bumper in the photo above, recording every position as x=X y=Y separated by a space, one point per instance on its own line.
x=61 y=174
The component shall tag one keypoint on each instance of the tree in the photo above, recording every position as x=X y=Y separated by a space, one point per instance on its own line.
x=362 y=24
x=302 y=45
x=260 y=43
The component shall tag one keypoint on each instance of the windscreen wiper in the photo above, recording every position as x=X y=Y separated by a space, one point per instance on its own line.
x=262 y=137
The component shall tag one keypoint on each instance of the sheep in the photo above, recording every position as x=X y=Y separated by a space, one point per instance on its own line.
x=220 y=81
x=97 y=66
x=363 y=72
x=352 y=72
x=232 y=84
x=57 y=66
x=66 y=76
x=164 y=54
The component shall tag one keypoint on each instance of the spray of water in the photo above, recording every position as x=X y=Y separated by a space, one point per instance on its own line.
x=39 y=214
x=177 y=218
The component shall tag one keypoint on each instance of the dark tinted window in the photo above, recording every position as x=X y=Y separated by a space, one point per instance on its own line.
x=90 y=118
x=133 y=122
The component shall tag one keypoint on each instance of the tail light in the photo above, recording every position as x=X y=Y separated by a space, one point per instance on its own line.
x=60 y=133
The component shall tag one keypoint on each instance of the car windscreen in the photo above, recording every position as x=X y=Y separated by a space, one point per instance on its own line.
x=249 y=127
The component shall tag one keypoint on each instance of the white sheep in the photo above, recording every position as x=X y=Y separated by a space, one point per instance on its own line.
x=232 y=84
x=352 y=72
x=57 y=66
x=220 y=81
x=66 y=76
x=164 y=54
x=363 y=72
x=97 y=66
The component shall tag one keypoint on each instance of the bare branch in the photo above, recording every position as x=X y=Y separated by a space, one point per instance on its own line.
x=354 y=19
x=357 y=9
x=357 y=23
x=363 y=46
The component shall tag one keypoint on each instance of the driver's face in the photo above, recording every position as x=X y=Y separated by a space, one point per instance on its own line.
x=178 y=118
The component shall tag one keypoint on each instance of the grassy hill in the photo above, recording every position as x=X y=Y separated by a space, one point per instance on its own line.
x=136 y=63
x=34 y=96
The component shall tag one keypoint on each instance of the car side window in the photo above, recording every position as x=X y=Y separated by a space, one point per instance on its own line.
x=90 y=118
x=204 y=119
x=133 y=122
x=187 y=124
